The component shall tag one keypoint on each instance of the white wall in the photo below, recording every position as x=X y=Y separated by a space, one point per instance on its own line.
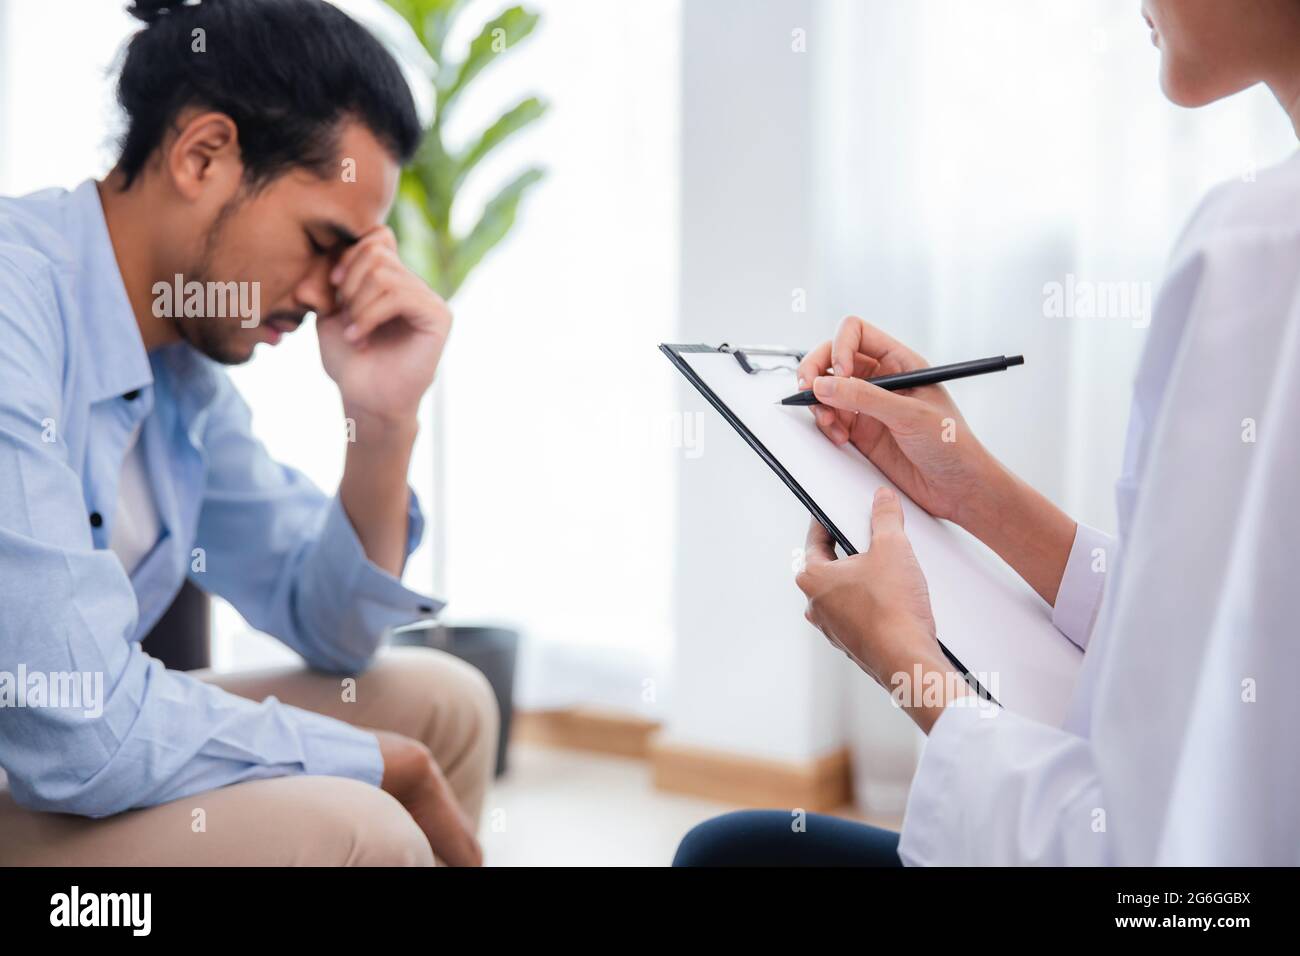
x=749 y=674
x=58 y=120
x=559 y=466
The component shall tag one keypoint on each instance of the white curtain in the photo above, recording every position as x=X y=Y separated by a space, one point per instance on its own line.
x=978 y=153
x=57 y=115
x=559 y=444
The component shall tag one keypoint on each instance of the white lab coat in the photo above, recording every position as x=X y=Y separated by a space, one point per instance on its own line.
x=1182 y=743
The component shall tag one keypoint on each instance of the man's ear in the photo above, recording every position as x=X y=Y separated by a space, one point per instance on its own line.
x=205 y=155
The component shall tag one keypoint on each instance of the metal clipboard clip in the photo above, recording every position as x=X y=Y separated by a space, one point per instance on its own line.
x=764 y=358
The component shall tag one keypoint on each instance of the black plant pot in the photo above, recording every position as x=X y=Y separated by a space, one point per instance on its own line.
x=492 y=650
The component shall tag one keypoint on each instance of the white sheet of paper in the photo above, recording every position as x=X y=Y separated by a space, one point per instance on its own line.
x=986 y=616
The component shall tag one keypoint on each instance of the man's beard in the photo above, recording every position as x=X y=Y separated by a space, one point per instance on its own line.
x=219 y=337
x=214 y=337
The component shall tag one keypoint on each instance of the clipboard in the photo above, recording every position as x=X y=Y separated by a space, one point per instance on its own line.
x=1040 y=660
x=755 y=359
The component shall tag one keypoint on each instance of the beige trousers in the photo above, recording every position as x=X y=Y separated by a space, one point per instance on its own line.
x=296 y=820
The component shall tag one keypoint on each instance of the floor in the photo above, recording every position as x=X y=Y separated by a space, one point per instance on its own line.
x=573 y=808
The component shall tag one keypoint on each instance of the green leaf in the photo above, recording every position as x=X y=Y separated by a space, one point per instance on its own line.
x=430 y=19
x=525 y=112
x=410 y=223
x=422 y=213
x=410 y=10
x=497 y=219
x=436 y=172
x=496 y=37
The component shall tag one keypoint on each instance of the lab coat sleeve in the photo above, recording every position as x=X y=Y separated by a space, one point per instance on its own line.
x=994 y=788
x=1079 y=595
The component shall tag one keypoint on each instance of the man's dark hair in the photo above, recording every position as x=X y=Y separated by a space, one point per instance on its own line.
x=287 y=72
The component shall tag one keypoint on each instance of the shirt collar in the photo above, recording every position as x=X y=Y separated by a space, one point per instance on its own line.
x=118 y=361
x=192 y=378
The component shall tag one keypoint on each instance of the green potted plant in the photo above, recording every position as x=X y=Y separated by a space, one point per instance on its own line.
x=422 y=217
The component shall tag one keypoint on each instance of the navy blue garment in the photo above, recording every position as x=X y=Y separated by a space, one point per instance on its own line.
x=771 y=838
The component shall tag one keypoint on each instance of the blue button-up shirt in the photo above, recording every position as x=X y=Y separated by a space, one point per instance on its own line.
x=236 y=522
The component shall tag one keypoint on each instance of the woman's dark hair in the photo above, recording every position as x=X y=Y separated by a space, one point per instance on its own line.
x=285 y=71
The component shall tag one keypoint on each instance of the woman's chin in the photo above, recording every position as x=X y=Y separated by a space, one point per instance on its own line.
x=1183 y=88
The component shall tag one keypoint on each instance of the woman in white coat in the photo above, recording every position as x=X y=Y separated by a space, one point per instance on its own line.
x=1180 y=742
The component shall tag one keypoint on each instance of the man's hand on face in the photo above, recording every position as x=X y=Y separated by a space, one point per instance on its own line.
x=383 y=341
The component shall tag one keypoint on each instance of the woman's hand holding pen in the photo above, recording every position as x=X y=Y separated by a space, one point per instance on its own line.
x=920 y=441
x=875 y=606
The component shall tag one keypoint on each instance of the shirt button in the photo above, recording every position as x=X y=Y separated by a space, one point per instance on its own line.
x=132 y=395
x=96 y=519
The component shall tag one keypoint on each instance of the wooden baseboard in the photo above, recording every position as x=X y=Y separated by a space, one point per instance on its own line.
x=583 y=728
x=822 y=784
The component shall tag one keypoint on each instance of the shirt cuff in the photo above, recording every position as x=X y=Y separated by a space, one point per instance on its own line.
x=380 y=598
x=333 y=748
x=1079 y=595
x=931 y=822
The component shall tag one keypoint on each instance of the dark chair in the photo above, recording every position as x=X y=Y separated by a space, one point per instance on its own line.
x=182 y=638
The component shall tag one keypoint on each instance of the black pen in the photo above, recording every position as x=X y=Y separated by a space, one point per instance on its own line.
x=924 y=376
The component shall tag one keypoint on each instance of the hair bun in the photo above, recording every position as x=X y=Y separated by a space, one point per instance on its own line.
x=150 y=10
